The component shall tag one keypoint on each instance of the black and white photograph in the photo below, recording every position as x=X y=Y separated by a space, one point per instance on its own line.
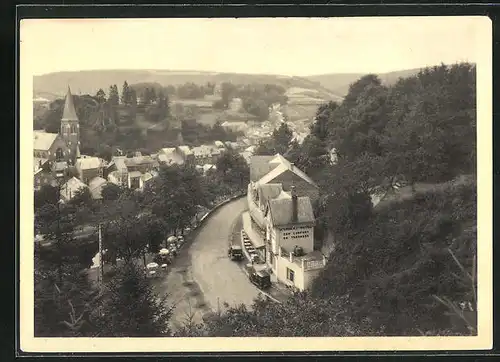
x=192 y=178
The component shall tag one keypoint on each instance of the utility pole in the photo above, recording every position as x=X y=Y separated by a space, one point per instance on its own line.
x=101 y=259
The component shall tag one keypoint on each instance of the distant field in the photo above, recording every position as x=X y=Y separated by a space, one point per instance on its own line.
x=194 y=102
x=305 y=101
x=298 y=90
x=208 y=119
x=296 y=111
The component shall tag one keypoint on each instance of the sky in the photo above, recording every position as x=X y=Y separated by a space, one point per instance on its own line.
x=286 y=46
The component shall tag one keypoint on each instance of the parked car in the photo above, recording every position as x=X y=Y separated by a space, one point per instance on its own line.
x=235 y=252
x=261 y=279
x=173 y=249
x=162 y=258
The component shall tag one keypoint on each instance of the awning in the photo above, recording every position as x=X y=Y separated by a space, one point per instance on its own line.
x=253 y=235
x=257 y=216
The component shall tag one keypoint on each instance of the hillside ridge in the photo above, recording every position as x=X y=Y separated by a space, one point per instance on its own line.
x=89 y=81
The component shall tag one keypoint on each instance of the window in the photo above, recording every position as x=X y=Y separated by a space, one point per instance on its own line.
x=290 y=274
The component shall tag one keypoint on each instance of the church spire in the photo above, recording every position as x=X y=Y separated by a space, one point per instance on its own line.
x=69 y=113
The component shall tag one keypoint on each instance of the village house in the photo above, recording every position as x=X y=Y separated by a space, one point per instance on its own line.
x=42 y=173
x=236 y=104
x=220 y=145
x=235 y=126
x=171 y=156
x=290 y=237
x=187 y=153
x=130 y=171
x=277 y=169
x=204 y=169
x=206 y=154
x=71 y=188
x=89 y=168
x=280 y=220
x=202 y=155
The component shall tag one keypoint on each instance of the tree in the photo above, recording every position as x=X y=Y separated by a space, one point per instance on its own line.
x=124 y=232
x=163 y=105
x=152 y=94
x=257 y=107
x=228 y=91
x=265 y=148
x=282 y=138
x=233 y=169
x=82 y=198
x=299 y=315
x=430 y=132
x=131 y=308
x=219 y=104
x=111 y=192
x=126 y=94
x=324 y=114
x=170 y=90
x=133 y=97
x=358 y=122
x=146 y=96
x=47 y=194
x=63 y=307
x=57 y=223
x=101 y=96
x=63 y=296
x=178 y=192
x=311 y=156
x=113 y=98
x=280 y=142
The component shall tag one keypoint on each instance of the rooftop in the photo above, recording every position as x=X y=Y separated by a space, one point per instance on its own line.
x=202 y=151
x=281 y=165
x=71 y=187
x=281 y=211
x=186 y=150
x=42 y=141
x=38 y=163
x=89 y=163
x=259 y=166
x=170 y=156
x=69 y=112
x=268 y=191
x=135 y=174
x=59 y=166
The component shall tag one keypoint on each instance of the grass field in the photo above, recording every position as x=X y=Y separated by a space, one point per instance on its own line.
x=297 y=111
x=194 y=102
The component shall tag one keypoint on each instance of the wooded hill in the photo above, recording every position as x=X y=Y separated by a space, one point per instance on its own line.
x=339 y=83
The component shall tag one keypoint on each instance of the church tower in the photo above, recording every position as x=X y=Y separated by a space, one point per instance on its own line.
x=70 y=128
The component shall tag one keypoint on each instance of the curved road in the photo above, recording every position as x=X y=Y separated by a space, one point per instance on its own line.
x=220 y=279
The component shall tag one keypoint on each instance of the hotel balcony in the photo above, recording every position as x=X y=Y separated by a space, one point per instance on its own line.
x=311 y=261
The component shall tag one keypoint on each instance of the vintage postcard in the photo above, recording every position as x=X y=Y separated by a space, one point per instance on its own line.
x=256 y=184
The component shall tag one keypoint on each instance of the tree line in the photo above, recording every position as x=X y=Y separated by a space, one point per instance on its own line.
x=256 y=98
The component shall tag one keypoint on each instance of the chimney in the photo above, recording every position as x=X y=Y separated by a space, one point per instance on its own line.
x=294 y=204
